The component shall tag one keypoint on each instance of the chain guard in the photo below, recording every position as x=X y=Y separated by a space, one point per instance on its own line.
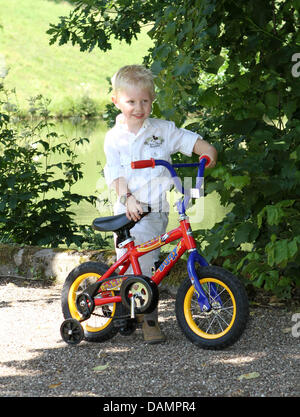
x=144 y=291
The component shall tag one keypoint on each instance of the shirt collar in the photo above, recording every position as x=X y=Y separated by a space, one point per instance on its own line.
x=146 y=123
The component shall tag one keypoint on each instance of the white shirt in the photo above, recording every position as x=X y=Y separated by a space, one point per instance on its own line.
x=157 y=139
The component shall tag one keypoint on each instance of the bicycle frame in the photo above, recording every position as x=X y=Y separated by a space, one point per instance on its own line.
x=186 y=243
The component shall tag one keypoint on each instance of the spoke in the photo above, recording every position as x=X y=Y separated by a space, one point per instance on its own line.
x=217 y=295
x=227 y=301
x=227 y=308
x=220 y=317
x=220 y=324
x=206 y=289
x=210 y=324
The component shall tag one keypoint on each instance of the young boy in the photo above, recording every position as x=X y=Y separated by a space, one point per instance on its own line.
x=135 y=136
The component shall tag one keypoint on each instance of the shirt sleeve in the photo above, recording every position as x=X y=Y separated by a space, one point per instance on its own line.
x=113 y=168
x=181 y=140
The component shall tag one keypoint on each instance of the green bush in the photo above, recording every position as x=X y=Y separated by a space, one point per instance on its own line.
x=258 y=175
x=36 y=194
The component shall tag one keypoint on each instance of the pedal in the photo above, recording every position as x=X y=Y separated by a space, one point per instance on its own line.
x=132 y=307
x=129 y=328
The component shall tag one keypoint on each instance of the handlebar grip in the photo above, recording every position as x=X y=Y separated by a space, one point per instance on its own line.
x=208 y=159
x=145 y=163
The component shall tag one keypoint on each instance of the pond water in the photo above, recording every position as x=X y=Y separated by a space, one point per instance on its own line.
x=204 y=215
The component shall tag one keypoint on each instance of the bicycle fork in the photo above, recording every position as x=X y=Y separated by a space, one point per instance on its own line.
x=203 y=301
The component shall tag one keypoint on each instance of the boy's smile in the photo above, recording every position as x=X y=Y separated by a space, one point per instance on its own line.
x=135 y=104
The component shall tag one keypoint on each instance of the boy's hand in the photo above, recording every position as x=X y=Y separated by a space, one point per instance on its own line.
x=202 y=147
x=133 y=209
x=213 y=159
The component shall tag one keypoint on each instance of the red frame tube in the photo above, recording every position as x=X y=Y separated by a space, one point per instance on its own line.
x=187 y=242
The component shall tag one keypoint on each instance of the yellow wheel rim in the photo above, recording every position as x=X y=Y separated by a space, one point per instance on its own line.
x=211 y=320
x=89 y=325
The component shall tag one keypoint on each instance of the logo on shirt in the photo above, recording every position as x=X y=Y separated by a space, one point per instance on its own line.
x=154 y=141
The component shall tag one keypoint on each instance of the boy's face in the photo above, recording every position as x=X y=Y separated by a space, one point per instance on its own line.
x=135 y=104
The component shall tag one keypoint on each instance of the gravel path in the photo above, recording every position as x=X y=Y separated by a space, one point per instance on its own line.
x=35 y=362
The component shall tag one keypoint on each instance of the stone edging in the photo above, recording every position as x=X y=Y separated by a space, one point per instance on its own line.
x=38 y=263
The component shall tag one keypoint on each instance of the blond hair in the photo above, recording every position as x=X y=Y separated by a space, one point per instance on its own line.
x=133 y=75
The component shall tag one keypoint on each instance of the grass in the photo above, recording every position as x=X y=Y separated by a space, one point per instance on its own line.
x=61 y=73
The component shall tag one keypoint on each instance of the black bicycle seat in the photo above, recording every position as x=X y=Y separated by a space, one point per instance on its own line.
x=115 y=223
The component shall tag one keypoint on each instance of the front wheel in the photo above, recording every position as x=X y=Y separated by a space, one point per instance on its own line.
x=225 y=322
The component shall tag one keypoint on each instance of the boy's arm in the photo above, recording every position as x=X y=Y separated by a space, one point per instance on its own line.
x=120 y=186
x=202 y=147
x=133 y=207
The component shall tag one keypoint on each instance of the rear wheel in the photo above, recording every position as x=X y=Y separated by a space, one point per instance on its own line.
x=99 y=327
x=225 y=322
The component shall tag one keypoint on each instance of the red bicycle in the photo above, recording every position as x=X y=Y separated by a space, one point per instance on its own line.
x=98 y=302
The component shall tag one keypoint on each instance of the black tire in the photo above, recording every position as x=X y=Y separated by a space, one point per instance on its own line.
x=223 y=324
x=71 y=331
x=96 y=329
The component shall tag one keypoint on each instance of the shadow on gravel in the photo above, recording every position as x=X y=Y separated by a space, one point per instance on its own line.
x=37 y=363
x=260 y=364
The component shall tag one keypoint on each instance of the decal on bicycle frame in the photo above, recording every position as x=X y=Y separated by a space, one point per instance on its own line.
x=113 y=284
x=170 y=258
x=150 y=245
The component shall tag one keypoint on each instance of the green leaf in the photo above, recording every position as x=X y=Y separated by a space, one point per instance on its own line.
x=260 y=108
x=271 y=281
x=293 y=246
x=237 y=182
x=156 y=67
x=182 y=68
x=44 y=144
x=170 y=30
x=250 y=375
x=259 y=281
x=271 y=99
x=208 y=98
x=245 y=233
x=243 y=127
x=252 y=256
x=290 y=107
x=219 y=171
x=281 y=252
x=274 y=215
x=214 y=64
x=100 y=368
x=11 y=180
x=212 y=31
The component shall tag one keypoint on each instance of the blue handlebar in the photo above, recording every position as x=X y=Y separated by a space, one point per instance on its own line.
x=182 y=205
